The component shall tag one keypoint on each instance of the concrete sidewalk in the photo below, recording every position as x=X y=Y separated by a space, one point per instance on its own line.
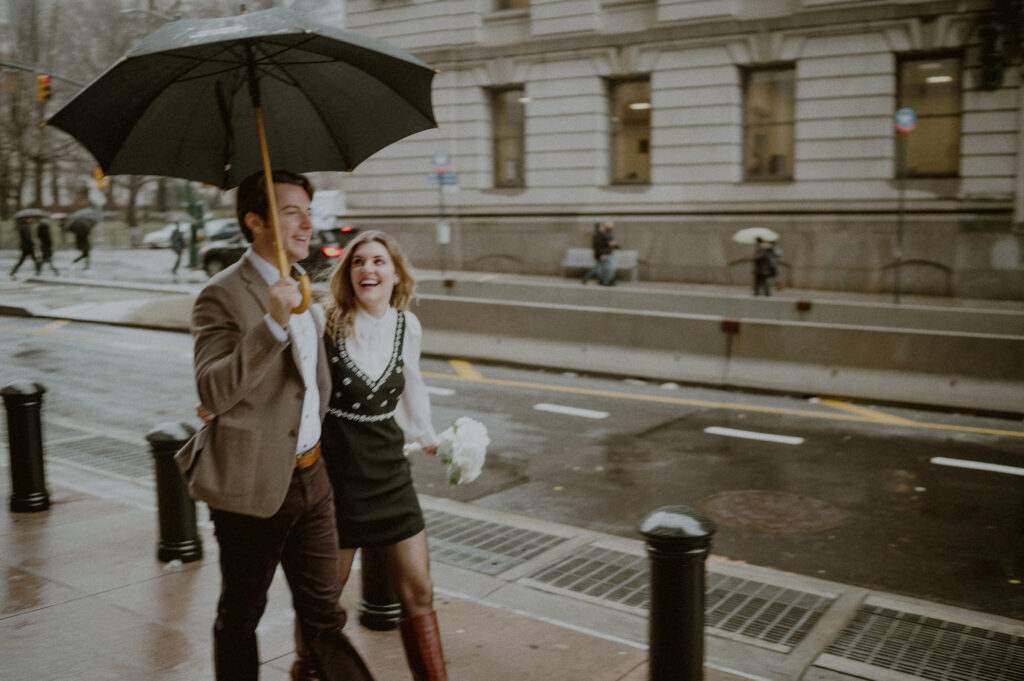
x=86 y=598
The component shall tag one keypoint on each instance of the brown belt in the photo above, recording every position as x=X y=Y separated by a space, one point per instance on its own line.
x=308 y=457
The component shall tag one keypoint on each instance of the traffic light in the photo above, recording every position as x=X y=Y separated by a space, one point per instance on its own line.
x=43 y=87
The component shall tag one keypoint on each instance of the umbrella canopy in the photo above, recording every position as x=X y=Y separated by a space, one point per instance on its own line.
x=82 y=220
x=30 y=213
x=752 y=234
x=181 y=102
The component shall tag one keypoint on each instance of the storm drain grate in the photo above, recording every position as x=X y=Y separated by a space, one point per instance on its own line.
x=481 y=546
x=743 y=607
x=764 y=612
x=929 y=648
x=601 y=573
x=108 y=454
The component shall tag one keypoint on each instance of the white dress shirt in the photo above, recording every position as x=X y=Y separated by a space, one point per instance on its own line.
x=302 y=331
x=370 y=343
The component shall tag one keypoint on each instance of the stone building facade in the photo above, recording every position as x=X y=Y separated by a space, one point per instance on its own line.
x=686 y=120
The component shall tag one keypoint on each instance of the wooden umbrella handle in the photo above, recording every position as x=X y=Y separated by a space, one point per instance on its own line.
x=282 y=262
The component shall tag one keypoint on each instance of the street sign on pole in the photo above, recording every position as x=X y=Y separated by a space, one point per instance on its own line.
x=441 y=161
x=905 y=120
x=436 y=179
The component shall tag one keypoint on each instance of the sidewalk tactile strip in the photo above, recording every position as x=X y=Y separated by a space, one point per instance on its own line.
x=763 y=612
x=482 y=546
x=106 y=454
x=929 y=648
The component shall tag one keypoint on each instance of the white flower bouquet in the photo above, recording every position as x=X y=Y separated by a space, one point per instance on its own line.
x=462 y=448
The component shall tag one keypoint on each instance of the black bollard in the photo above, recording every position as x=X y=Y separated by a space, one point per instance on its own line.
x=678 y=542
x=23 y=401
x=179 y=538
x=379 y=608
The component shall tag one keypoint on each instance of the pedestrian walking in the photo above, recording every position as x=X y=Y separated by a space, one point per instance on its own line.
x=81 y=231
x=378 y=401
x=28 y=248
x=45 y=247
x=177 y=245
x=764 y=268
x=263 y=381
x=603 y=242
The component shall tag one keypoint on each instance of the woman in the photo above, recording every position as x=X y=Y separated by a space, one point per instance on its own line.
x=378 y=399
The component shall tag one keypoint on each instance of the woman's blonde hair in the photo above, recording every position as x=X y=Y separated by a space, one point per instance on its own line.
x=341 y=307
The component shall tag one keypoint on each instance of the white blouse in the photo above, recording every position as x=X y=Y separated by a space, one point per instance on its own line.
x=369 y=344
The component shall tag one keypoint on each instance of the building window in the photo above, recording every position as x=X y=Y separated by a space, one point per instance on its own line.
x=631 y=130
x=768 y=122
x=511 y=4
x=509 y=115
x=931 y=87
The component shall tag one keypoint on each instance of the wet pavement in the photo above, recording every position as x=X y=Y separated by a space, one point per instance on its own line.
x=86 y=598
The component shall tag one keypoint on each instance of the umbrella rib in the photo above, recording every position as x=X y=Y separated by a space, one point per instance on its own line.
x=269 y=59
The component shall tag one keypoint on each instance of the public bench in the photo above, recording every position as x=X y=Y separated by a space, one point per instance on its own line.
x=583 y=259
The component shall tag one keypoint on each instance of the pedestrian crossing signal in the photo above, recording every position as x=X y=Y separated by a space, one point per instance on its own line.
x=43 y=87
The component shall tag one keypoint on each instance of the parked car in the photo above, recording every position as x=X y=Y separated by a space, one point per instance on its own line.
x=161 y=238
x=325 y=247
x=219 y=229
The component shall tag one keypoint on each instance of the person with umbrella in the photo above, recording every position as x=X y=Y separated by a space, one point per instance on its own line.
x=24 y=220
x=80 y=223
x=264 y=384
x=188 y=101
x=45 y=247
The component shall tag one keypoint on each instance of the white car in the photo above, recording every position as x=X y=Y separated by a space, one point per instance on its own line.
x=161 y=238
x=220 y=228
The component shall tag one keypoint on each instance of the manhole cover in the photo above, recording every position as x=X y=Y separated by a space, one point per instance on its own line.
x=772 y=512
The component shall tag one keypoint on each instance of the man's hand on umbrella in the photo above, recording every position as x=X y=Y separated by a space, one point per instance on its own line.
x=284 y=296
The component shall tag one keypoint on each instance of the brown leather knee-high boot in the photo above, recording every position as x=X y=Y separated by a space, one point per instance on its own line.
x=422 y=641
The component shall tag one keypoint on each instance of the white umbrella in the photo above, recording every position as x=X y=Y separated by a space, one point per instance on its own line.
x=752 y=234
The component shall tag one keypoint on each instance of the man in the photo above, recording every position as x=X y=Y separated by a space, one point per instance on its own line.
x=603 y=243
x=261 y=371
x=178 y=246
x=764 y=269
x=45 y=247
x=28 y=248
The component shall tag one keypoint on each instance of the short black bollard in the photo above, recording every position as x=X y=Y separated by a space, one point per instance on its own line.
x=379 y=608
x=678 y=543
x=24 y=401
x=179 y=538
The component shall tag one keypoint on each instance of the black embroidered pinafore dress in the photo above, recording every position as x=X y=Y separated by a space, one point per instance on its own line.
x=374 y=499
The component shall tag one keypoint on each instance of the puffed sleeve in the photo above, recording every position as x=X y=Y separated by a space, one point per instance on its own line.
x=413 y=413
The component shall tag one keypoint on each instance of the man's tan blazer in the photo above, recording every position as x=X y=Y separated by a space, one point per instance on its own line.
x=243 y=460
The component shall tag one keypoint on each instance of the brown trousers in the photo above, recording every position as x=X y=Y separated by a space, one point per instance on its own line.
x=302 y=538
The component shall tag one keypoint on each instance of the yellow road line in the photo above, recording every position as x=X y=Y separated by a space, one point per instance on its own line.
x=465 y=370
x=872 y=414
x=832 y=416
x=56 y=324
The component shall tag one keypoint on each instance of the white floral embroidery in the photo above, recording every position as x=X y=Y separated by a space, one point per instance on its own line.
x=361 y=418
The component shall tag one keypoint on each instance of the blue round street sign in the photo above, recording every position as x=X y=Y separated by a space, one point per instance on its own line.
x=905 y=120
x=441 y=160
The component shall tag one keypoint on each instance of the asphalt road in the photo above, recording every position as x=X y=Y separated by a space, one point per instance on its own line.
x=849 y=493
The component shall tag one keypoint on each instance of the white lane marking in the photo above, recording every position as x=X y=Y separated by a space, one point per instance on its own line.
x=977 y=465
x=439 y=391
x=571 y=411
x=751 y=435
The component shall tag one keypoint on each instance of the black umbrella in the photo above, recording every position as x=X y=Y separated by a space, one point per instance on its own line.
x=213 y=99
x=82 y=221
x=30 y=213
